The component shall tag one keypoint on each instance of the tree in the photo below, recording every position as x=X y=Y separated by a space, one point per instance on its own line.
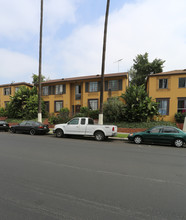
x=35 y=79
x=24 y=104
x=142 y=68
x=138 y=107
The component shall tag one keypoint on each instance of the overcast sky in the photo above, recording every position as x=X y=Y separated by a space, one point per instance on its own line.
x=73 y=36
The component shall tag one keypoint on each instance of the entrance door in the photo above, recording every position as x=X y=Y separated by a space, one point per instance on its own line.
x=77 y=108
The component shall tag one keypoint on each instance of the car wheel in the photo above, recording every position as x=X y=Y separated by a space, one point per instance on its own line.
x=32 y=132
x=13 y=130
x=59 y=133
x=178 y=143
x=137 y=140
x=99 y=136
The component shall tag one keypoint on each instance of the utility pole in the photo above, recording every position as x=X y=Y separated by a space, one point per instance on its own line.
x=103 y=63
x=40 y=64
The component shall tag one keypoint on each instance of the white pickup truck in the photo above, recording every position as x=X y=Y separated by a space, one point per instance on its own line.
x=85 y=126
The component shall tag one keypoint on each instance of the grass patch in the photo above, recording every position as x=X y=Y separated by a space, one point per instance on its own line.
x=122 y=135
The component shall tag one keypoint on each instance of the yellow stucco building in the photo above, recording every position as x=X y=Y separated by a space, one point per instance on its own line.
x=169 y=90
x=7 y=90
x=76 y=92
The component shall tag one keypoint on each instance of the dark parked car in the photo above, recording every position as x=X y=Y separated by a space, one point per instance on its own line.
x=4 y=126
x=160 y=134
x=30 y=127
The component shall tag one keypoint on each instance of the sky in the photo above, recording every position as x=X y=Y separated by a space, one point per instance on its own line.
x=73 y=36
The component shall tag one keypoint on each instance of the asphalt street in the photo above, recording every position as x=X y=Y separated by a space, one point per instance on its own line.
x=47 y=178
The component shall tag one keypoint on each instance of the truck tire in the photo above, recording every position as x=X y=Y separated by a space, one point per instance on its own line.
x=99 y=136
x=59 y=133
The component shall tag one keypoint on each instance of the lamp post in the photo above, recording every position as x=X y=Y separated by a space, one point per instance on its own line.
x=40 y=64
x=103 y=63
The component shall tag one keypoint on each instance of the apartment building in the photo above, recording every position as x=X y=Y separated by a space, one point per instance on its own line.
x=84 y=91
x=7 y=90
x=169 y=90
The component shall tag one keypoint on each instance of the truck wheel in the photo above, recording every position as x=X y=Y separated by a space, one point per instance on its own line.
x=59 y=133
x=99 y=136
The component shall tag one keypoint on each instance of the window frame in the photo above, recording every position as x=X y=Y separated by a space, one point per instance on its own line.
x=93 y=86
x=78 y=92
x=45 y=90
x=7 y=91
x=55 y=102
x=58 y=88
x=168 y=102
x=163 y=83
x=182 y=110
x=180 y=83
x=89 y=106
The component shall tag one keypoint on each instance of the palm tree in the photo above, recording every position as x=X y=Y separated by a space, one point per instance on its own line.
x=103 y=63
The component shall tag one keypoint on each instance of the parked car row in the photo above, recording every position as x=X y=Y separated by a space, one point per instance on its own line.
x=31 y=127
x=81 y=126
x=84 y=126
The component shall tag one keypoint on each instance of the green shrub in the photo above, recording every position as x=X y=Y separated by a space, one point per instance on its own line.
x=85 y=111
x=3 y=112
x=62 y=117
x=94 y=114
x=113 y=110
x=179 y=117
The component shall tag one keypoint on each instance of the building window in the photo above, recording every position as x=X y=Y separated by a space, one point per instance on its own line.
x=59 y=89
x=163 y=106
x=16 y=89
x=182 y=105
x=78 y=92
x=182 y=82
x=93 y=104
x=58 y=105
x=7 y=91
x=93 y=87
x=113 y=85
x=163 y=83
x=45 y=90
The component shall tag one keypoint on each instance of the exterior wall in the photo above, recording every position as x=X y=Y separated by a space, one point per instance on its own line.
x=173 y=92
x=60 y=97
x=69 y=99
x=6 y=98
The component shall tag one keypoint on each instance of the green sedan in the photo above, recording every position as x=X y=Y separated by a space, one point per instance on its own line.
x=160 y=134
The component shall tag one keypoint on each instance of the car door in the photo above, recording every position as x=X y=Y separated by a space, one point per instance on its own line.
x=28 y=126
x=21 y=127
x=72 y=127
x=168 y=134
x=152 y=135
